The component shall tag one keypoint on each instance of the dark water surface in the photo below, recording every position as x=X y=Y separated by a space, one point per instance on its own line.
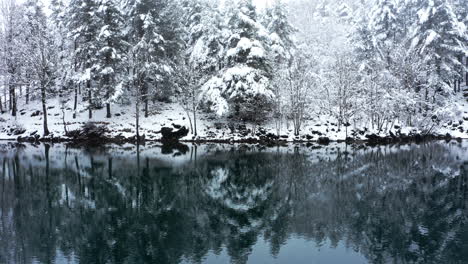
x=234 y=204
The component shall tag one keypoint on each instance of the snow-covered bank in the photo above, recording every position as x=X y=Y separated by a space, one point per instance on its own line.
x=121 y=126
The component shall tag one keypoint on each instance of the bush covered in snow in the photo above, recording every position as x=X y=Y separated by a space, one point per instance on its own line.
x=90 y=131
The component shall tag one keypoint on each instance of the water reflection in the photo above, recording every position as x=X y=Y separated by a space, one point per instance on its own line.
x=402 y=204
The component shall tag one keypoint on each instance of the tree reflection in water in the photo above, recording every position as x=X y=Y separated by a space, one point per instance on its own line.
x=400 y=204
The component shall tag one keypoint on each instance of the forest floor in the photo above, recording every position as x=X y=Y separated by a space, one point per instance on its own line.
x=210 y=128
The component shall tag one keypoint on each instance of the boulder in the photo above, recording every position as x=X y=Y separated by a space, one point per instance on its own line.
x=374 y=139
x=314 y=132
x=271 y=136
x=448 y=137
x=170 y=134
x=36 y=113
x=324 y=140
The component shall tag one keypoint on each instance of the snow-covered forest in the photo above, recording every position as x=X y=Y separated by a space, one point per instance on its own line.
x=293 y=69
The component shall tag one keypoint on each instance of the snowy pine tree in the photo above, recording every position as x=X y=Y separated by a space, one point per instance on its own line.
x=243 y=85
x=154 y=39
x=204 y=49
x=84 y=31
x=111 y=52
x=204 y=34
x=64 y=45
x=283 y=45
x=363 y=42
x=42 y=52
x=281 y=31
x=385 y=28
x=440 y=37
x=14 y=50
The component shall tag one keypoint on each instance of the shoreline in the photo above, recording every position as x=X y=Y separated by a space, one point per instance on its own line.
x=372 y=139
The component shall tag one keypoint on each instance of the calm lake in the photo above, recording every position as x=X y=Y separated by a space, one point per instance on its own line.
x=234 y=204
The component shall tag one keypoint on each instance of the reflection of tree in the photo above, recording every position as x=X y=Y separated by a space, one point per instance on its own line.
x=239 y=188
x=393 y=207
x=390 y=204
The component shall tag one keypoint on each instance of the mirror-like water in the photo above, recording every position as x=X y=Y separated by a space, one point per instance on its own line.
x=234 y=204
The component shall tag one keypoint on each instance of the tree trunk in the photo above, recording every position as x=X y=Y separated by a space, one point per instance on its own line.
x=195 y=122
x=146 y=106
x=145 y=99
x=90 y=102
x=27 y=93
x=44 y=109
x=9 y=101
x=63 y=121
x=5 y=97
x=1 y=106
x=13 y=100
x=108 y=110
x=466 y=71
x=190 y=122
x=75 y=104
x=137 y=116
x=108 y=106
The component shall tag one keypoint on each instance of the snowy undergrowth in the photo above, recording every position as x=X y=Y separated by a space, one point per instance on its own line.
x=210 y=127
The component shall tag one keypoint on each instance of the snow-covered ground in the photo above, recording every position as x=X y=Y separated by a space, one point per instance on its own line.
x=210 y=127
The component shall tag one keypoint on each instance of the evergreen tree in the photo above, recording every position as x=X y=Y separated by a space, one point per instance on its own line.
x=110 y=54
x=407 y=16
x=84 y=30
x=203 y=54
x=243 y=85
x=14 y=50
x=281 y=31
x=462 y=12
x=204 y=34
x=362 y=40
x=440 y=37
x=67 y=78
x=385 y=28
x=283 y=54
x=42 y=52
x=154 y=37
